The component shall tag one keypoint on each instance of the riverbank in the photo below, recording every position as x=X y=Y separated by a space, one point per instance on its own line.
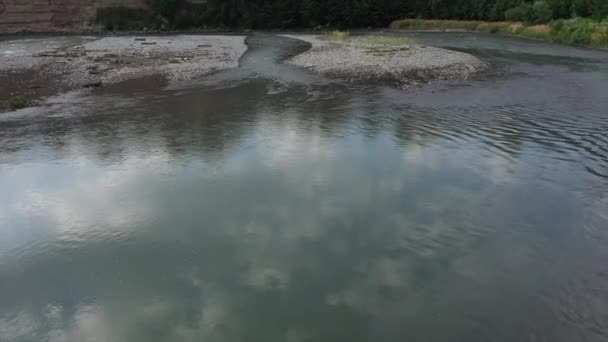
x=93 y=63
x=581 y=32
x=380 y=58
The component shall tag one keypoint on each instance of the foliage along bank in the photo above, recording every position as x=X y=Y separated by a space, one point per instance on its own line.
x=569 y=21
x=278 y=14
x=575 y=31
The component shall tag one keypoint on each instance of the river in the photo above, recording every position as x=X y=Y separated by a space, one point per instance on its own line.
x=269 y=204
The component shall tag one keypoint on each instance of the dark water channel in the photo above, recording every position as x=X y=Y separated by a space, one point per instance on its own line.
x=269 y=204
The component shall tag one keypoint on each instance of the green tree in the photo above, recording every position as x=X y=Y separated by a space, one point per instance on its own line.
x=165 y=8
x=541 y=13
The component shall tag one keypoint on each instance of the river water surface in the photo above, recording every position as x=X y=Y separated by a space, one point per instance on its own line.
x=268 y=204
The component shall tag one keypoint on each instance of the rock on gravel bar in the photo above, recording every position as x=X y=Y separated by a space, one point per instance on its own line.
x=355 y=59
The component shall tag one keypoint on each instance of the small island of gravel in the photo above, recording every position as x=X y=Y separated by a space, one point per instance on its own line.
x=382 y=58
x=181 y=57
x=88 y=62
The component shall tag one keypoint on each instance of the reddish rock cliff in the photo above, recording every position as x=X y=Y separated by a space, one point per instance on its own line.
x=52 y=15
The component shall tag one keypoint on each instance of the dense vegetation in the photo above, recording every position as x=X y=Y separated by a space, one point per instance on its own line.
x=125 y=18
x=577 y=31
x=571 y=21
x=265 y=14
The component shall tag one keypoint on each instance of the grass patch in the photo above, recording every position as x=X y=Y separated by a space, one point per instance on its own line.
x=498 y=27
x=337 y=36
x=577 y=31
x=536 y=32
x=18 y=102
x=379 y=40
x=379 y=45
x=422 y=24
x=457 y=25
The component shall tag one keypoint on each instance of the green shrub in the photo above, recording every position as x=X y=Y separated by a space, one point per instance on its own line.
x=125 y=18
x=581 y=8
x=18 y=102
x=519 y=13
x=557 y=25
x=541 y=13
x=580 y=31
x=537 y=13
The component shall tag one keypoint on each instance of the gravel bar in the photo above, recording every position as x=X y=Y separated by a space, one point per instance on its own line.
x=114 y=59
x=356 y=60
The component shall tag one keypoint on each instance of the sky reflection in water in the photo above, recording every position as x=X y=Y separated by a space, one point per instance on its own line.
x=274 y=212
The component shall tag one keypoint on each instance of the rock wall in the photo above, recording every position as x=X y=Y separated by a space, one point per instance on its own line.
x=53 y=15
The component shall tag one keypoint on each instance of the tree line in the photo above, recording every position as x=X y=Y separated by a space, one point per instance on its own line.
x=379 y=13
x=281 y=14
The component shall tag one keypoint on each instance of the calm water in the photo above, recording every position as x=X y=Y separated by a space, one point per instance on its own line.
x=266 y=204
